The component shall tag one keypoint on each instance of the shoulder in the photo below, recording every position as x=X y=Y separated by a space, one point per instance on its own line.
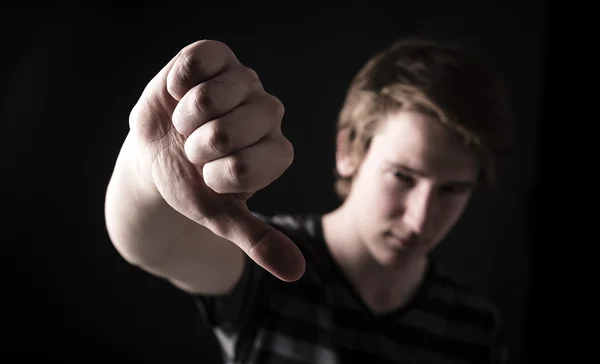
x=473 y=313
x=464 y=301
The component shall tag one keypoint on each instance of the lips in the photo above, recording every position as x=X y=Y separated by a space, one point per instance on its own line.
x=400 y=242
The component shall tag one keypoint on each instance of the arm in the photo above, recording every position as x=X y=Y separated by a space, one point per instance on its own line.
x=150 y=234
x=204 y=136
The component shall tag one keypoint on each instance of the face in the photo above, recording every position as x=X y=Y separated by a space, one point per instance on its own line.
x=410 y=189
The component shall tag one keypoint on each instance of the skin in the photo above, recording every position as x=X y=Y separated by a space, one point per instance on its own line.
x=407 y=193
x=205 y=136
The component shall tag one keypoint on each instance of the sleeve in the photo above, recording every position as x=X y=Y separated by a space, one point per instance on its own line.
x=231 y=310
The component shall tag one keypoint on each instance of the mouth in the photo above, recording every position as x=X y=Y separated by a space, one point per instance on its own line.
x=400 y=242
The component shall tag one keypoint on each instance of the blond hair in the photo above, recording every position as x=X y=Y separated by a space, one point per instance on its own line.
x=444 y=80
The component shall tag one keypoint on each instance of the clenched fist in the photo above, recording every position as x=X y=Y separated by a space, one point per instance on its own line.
x=208 y=137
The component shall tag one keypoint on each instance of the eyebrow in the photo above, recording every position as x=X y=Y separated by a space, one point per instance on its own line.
x=410 y=170
x=423 y=174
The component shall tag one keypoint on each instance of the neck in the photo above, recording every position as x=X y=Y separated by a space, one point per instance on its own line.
x=381 y=287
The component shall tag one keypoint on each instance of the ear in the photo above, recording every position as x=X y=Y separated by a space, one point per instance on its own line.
x=344 y=162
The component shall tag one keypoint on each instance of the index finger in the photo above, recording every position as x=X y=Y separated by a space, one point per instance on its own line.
x=196 y=63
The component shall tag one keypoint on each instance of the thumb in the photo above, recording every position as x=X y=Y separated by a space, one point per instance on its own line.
x=264 y=244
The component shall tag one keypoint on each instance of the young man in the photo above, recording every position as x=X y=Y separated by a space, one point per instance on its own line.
x=423 y=124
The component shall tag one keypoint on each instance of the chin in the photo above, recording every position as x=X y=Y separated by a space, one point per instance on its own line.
x=391 y=257
x=392 y=262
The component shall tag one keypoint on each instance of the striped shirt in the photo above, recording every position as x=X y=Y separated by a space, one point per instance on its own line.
x=320 y=319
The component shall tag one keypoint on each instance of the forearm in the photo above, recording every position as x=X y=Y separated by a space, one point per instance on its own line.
x=150 y=234
x=141 y=225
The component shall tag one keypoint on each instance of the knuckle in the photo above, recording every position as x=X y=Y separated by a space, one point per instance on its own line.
x=252 y=77
x=251 y=72
x=276 y=107
x=205 y=98
x=238 y=170
x=213 y=48
x=220 y=140
x=287 y=150
x=190 y=64
x=191 y=151
x=216 y=45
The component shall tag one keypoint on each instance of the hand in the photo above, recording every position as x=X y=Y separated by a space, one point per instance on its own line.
x=209 y=136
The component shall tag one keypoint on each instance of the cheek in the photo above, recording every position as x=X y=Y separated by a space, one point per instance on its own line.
x=384 y=195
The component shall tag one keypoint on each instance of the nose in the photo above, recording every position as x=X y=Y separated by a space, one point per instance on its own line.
x=418 y=207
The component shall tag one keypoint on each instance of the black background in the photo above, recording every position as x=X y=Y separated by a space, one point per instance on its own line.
x=70 y=78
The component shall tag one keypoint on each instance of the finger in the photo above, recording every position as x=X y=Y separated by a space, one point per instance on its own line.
x=267 y=246
x=213 y=98
x=154 y=101
x=190 y=66
x=240 y=128
x=231 y=220
x=251 y=168
x=196 y=63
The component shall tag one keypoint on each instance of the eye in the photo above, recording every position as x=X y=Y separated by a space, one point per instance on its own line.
x=404 y=177
x=456 y=188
